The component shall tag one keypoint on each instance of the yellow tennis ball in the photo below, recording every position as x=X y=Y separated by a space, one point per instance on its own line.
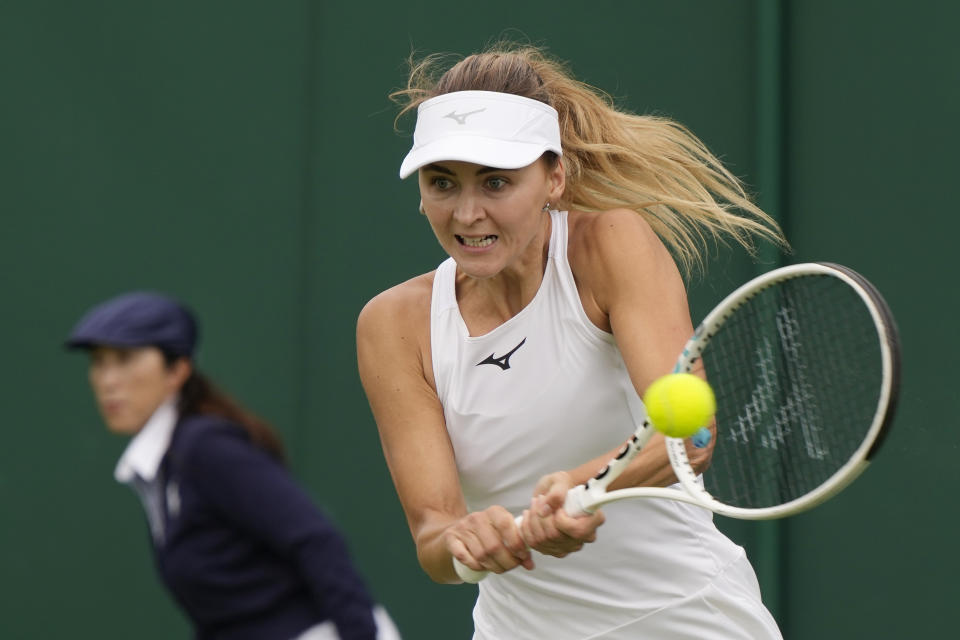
x=679 y=404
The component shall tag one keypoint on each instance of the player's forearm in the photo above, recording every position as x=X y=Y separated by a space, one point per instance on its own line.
x=432 y=552
x=651 y=468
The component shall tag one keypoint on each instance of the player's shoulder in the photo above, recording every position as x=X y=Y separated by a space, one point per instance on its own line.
x=407 y=303
x=616 y=255
x=599 y=229
x=613 y=239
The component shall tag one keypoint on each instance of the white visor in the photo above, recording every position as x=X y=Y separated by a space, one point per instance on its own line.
x=492 y=129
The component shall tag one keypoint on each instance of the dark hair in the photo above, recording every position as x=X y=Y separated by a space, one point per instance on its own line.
x=199 y=396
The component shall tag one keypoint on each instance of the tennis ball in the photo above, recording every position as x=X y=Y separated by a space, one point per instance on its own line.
x=679 y=404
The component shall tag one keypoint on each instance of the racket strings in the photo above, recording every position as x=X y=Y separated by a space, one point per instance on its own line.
x=797 y=372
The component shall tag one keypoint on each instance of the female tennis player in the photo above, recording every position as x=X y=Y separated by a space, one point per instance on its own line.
x=510 y=373
x=240 y=545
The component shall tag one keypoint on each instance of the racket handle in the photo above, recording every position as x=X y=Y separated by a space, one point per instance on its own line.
x=467 y=574
x=576 y=504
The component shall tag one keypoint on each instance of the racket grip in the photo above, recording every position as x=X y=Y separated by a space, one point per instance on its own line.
x=576 y=504
x=467 y=574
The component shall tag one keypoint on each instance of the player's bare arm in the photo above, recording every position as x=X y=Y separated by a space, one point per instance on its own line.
x=394 y=363
x=630 y=286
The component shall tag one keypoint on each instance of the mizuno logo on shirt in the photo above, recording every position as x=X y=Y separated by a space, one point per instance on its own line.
x=503 y=361
x=461 y=118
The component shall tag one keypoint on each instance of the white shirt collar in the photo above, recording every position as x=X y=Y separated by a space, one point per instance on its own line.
x=143 y=455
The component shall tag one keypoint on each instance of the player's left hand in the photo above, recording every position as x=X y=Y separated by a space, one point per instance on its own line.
x=548 y=528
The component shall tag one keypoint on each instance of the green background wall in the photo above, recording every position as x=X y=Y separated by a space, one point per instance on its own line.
x=241 y=155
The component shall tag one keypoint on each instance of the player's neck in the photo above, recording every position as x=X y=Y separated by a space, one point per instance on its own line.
x=486 y=303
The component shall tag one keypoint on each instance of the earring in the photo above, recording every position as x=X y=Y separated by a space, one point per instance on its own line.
x=422 y=212
x=546 y=208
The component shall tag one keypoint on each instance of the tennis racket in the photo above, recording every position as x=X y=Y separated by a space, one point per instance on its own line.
x=804 y=362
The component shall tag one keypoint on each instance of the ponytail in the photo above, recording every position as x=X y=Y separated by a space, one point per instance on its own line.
x=199 y=396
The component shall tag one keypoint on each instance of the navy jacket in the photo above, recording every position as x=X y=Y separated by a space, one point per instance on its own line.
x=246 y=552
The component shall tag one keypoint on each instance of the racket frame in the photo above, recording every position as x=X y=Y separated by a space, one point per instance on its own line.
x=886 y=404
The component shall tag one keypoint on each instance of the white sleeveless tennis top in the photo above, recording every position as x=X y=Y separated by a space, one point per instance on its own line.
x=543 y=392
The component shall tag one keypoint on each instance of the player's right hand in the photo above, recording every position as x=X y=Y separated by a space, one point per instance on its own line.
x=488 y=540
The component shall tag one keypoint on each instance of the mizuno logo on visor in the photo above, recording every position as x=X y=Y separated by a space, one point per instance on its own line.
x=461 y=118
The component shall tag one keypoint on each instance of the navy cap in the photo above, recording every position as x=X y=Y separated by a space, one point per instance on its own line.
x=137 y=319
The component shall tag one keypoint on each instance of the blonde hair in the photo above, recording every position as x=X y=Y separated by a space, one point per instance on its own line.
x=612 y=158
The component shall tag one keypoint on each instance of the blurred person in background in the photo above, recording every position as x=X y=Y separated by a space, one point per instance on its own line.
x=241 y=547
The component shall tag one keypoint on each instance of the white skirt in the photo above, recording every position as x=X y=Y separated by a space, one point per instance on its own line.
x=728 y=608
